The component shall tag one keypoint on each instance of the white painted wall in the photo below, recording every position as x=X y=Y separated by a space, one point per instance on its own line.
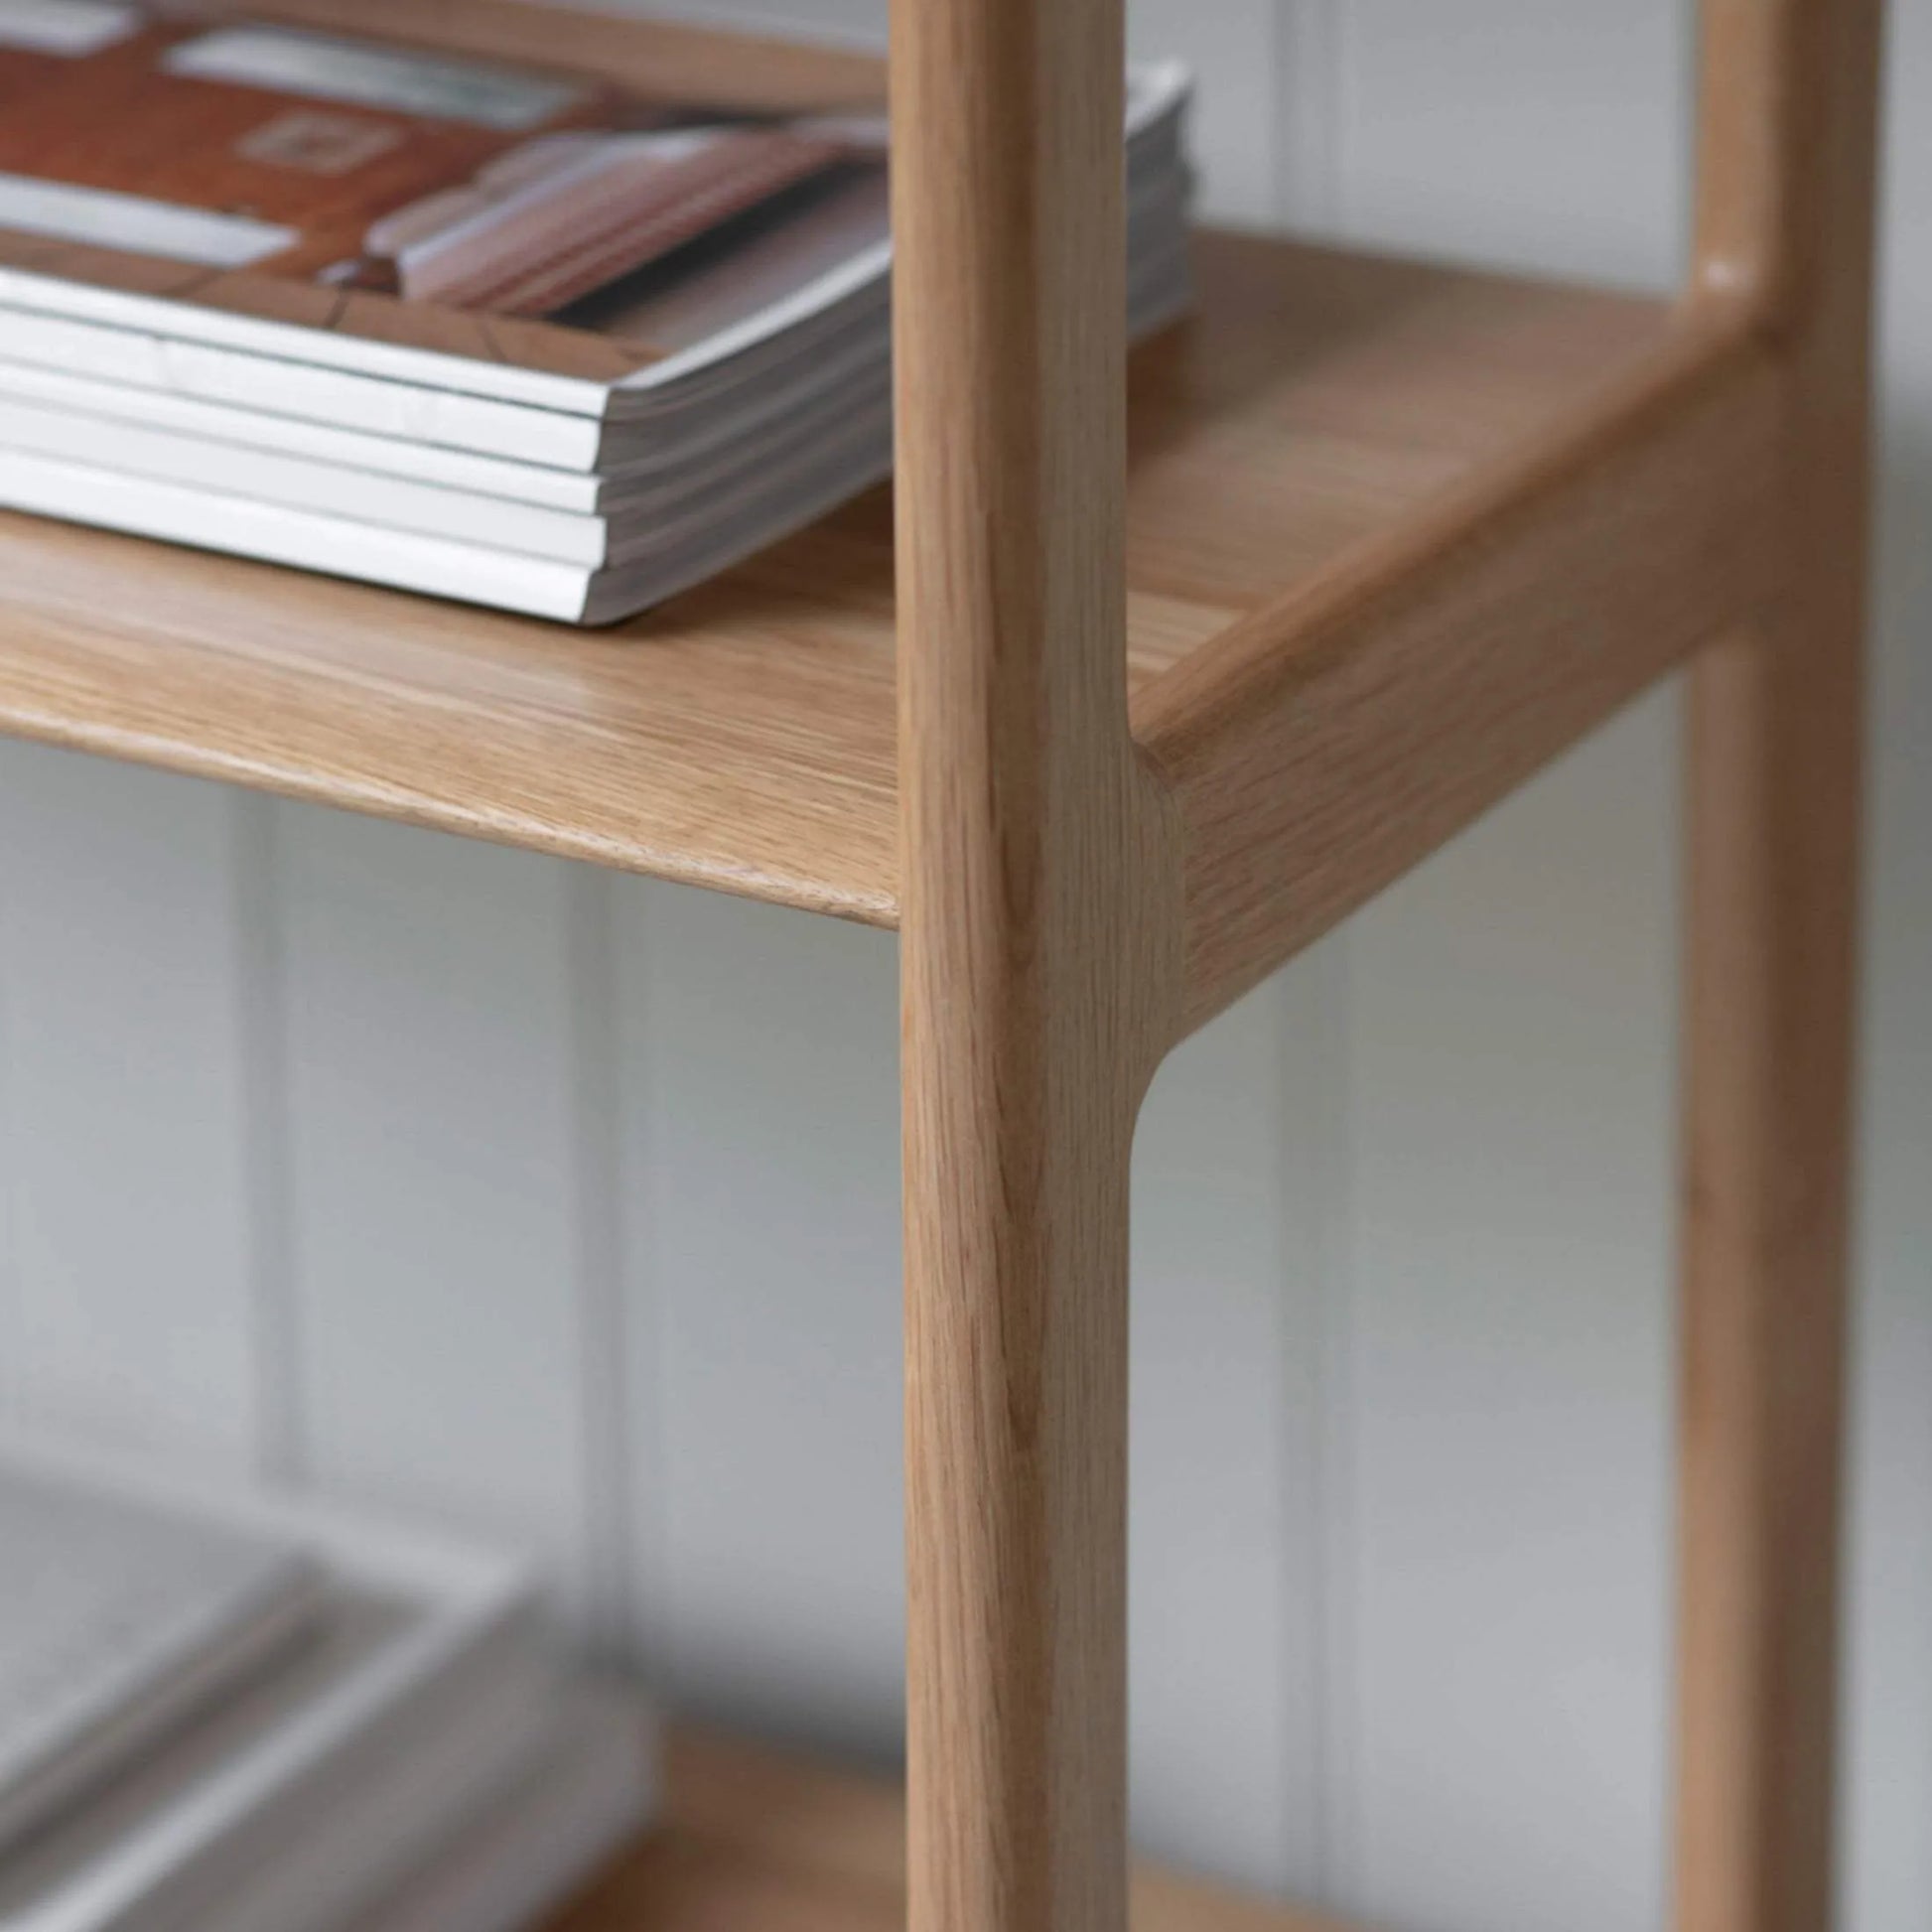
x=496 y=1190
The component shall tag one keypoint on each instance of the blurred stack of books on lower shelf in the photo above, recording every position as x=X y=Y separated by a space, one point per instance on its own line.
x=225 y=1715
x=528 y=336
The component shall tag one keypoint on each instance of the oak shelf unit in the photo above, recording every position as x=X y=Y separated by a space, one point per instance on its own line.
x=1119 y=705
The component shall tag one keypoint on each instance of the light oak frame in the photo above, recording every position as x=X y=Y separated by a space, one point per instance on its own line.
x=1082 y=888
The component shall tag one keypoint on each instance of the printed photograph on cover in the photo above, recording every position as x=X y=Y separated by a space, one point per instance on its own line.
x=411 y=193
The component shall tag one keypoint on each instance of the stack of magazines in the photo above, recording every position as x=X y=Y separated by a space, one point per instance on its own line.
x=237 y=1716
x=509 y=335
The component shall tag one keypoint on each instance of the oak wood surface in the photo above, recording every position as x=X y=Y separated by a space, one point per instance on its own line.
x=754 y=1840
x=1040 y=955
x=1332 y=739
x=1773 y=796
x=741 y=737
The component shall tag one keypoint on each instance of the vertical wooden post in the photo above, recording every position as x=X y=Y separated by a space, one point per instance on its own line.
x=1774 y=792
x=1040 y=953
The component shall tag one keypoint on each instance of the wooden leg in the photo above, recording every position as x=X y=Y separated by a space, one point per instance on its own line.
x=1773 y=801
x=1774 y=804
x=1040 y=953
x=1017 y=1467
x=1785 y=225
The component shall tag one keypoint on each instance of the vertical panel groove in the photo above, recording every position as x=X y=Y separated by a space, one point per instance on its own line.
x=1323 y=1090
x=602 y=1316
x=1317 y=1553
x=630 y=983
x=261 y=1023
x=1306 y=55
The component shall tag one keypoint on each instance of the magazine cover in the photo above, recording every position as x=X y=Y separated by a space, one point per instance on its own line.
x=387 y=289
x=401 y=194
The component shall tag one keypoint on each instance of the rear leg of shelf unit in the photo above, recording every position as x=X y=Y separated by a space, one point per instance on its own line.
x=1772 y=849
x=1785 y=224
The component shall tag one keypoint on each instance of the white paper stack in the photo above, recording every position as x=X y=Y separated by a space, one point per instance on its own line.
x=119 y=1622
x=508 y=335
x=222 y=1715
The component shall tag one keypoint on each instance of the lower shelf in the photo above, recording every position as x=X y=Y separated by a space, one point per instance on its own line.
x=755 y=1842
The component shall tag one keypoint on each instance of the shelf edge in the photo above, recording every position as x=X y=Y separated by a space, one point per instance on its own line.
x=1330 y=741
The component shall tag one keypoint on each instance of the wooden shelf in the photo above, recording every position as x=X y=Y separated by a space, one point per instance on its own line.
x=741 y=737
x=754 y=1842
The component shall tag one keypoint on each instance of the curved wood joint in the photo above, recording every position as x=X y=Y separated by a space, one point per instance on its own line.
x=1325 y=745
x=1787 y=107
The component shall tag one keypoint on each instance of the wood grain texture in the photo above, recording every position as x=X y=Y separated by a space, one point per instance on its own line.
x=741 y=737
x=1335 y=738
x=1757 y=106
x=1039 y=957
x=755 y=1840
x=1774 y=801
